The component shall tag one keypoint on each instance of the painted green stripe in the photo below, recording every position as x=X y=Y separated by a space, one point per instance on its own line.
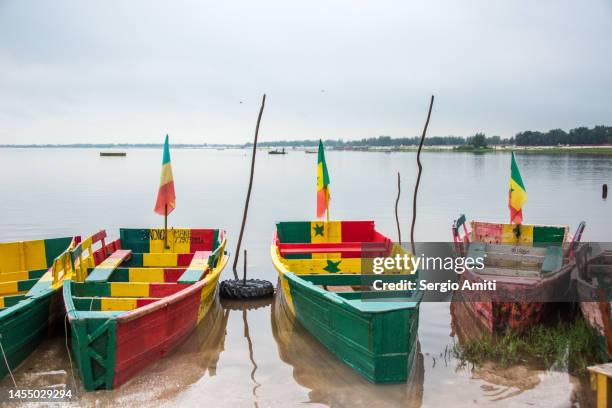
x=548 y=235
x=216 y=241
x=87 y=303
x=86 y=289
x=36 y=273
x=54 y=247
x=94 y=342
x=293 y=231
x=120 y=275
x=298 y=256
x=25 y=285
x=136 y=239
x=515 y=174
x=134 y=261
x=12 y=300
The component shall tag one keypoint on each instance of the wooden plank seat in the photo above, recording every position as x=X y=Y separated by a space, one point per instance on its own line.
x=90 y=303
x=102 y=272
x=126 y=289
x=197 y=268
x=147 y=274
x=17 y=287
x=347 y=249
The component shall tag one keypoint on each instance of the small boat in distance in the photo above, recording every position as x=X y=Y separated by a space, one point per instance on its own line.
x=31 y=278
x=282 y=151
x=113 y=154
x=323 y=283
x=310 y=151
x=133 y=300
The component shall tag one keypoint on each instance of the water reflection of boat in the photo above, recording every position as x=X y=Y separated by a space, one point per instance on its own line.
x=331 y=382
x=593 y=279
x=529 y=264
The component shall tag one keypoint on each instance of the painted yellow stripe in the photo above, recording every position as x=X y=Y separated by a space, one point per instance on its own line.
x=159 y=259
x=146 y=275
x=1 y=302
x=35 y=255
x=346 y=265
x=332 y=231
x=125 y=289
x=509 y=237
x=14 y=276
x=179 y=241
x=8 y=287
x=117 y=304
x=166 y=174
x=320 y=176
x=20 y=256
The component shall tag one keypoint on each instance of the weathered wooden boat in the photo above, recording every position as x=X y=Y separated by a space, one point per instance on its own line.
x=331 y=382
x=320 y=266
x=31 y=278
x=531 y=265
x=282 y=151
x=593 y=280
x=136 y=298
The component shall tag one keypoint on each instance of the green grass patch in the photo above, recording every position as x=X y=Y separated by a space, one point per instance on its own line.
x=571 y=344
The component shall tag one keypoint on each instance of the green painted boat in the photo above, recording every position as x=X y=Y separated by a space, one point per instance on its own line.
x=322 y=267
x=31 y=277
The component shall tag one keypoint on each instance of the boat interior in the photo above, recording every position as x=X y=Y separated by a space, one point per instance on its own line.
x=139 y=268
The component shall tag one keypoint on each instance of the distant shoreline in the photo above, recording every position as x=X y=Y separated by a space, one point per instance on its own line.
x=579 y=150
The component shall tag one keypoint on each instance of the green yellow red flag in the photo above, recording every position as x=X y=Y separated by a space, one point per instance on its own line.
x=166 y=198
x=322 y=183
x=517 y=195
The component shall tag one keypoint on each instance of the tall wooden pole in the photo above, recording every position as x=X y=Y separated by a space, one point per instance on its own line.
x=248 y=197
x=416 y=186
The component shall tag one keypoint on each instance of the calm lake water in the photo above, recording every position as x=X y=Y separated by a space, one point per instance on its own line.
x=54 y=192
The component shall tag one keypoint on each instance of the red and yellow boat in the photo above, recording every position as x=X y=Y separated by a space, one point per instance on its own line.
x=133 y=300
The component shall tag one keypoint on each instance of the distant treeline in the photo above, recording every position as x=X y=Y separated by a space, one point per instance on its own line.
x=599 y=135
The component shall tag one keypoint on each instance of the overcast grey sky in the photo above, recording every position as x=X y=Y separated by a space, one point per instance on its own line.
x=131 y=71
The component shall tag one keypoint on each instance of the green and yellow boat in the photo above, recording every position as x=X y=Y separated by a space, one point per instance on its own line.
x=31 y=278
x=325 y=283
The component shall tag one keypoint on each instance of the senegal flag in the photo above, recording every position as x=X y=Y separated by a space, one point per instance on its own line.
x=166 y=199
x=517 y=195
x=322 y=183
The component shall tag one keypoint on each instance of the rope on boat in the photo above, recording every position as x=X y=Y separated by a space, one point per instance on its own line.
x=8 y=367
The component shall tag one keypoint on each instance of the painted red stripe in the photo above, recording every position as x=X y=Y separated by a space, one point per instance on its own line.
x=172 y=274
x=201 y=240
x=357 y=231
x=165 y=289
x=183 y=259
x=140 y=302
x=145 y=340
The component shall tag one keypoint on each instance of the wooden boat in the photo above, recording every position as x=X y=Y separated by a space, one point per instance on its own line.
x=282 y=151
x=31 y=278
x=593 y=280
x=307 y=151
x=530 y=263
x=113 y=154
x=135 y=299
x=329 y=381
x=316 y=261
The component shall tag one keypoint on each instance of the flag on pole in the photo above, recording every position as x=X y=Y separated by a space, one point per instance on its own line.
x=322 y=183
x=166 y=199
x=517 y=194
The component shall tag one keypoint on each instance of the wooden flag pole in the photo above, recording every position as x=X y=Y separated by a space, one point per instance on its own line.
x=166 y=226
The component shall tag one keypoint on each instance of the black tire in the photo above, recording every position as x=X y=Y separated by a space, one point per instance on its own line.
x=251 y=289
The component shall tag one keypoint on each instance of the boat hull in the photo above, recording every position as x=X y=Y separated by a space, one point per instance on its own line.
x=380 y=346
x=497 y=316
x=23 y=328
